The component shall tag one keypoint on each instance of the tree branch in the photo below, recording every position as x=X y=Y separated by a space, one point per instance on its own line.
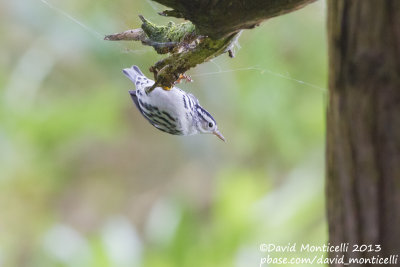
x=213 y=29
x=186 y=46
x=221 y=18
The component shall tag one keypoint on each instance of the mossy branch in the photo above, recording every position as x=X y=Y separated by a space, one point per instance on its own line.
x=186 y=46
x=212 y=30
x=221 y=18
x=168 y=70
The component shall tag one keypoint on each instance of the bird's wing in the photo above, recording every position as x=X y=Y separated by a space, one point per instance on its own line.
x=136 y=101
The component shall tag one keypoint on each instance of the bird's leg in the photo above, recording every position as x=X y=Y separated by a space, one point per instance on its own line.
x=185 y=77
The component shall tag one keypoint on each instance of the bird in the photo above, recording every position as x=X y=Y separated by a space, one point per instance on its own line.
x=171 y=110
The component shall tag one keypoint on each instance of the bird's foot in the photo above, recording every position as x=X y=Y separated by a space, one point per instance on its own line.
x=185 y=77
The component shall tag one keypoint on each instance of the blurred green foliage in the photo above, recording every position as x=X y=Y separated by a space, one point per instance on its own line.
x=86 y=181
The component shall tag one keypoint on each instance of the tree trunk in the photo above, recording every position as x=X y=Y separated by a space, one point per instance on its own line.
x=363 y=126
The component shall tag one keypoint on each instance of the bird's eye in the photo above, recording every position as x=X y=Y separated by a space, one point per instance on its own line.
x=210 y=124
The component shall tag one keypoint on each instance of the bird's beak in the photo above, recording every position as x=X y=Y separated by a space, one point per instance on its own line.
x=219 y=135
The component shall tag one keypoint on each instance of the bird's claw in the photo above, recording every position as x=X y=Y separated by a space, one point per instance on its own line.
x=185 y=77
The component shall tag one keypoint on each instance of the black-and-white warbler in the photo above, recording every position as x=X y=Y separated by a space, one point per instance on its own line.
x=172 y=111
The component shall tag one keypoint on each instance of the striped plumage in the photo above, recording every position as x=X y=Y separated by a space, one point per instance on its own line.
x=172 y=111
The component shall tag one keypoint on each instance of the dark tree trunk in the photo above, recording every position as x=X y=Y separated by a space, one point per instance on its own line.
x=363 y=125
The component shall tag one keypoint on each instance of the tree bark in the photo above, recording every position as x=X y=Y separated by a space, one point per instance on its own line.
x=213 y=30
x=221 y=18
x=363 y=125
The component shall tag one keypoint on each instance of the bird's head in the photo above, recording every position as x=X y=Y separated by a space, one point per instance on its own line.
x=206 y=123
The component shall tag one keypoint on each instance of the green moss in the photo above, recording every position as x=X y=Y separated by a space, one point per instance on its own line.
x=170 y=33
x=169 y=69
x=186 y=47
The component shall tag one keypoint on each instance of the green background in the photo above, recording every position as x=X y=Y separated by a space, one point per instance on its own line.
x=86 y=181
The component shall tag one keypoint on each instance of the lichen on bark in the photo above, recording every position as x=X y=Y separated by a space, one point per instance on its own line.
x=212 y=29
x=186 y=46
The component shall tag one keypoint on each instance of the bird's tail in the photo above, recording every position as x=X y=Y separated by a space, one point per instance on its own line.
x=133 y=73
